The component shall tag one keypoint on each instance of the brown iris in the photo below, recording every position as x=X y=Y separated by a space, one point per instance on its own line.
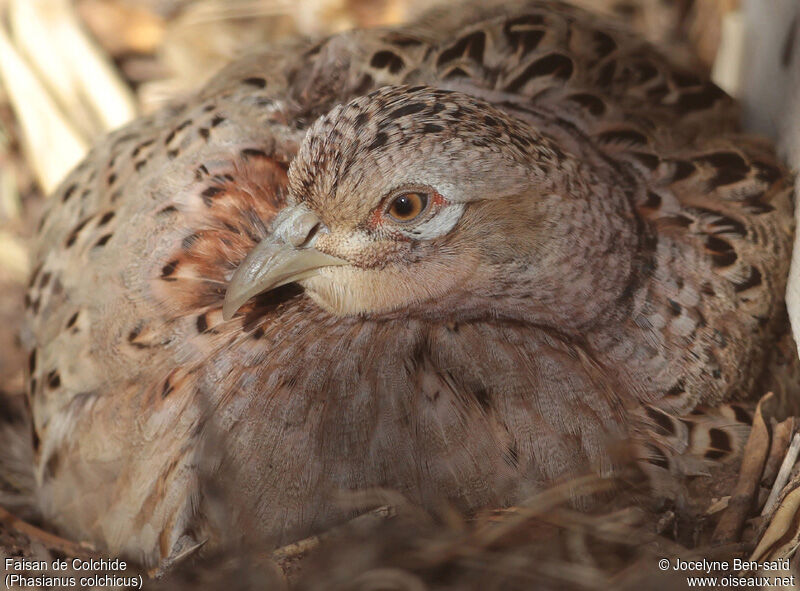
x=407 y=206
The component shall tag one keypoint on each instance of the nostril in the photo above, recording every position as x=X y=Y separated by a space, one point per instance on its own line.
x=302 y=229
x=310 y=236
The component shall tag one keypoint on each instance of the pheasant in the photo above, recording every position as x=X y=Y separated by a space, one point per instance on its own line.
x=461 y=259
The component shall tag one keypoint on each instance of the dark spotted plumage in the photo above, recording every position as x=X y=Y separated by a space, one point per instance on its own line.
x=596 y=273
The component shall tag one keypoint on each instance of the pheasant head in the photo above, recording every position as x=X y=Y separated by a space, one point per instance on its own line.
x=429 y=202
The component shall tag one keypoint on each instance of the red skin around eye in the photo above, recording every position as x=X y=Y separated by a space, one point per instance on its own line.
x=376 y=219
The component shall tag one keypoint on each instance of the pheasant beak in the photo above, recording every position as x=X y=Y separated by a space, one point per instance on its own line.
x=288 y=255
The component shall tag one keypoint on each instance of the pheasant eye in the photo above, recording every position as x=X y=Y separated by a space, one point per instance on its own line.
x=407 y=206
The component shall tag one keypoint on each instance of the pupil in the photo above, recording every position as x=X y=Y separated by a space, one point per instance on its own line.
x=403 y=206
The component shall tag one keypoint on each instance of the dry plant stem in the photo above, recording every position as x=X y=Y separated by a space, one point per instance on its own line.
x=80 y=77
x=51 y=541
x=301 y=548
x=783 y=475
x=44 y=129
x=163 y=569
x=727 y=71
x=781 y=538
x=730 y=524
x=781 y=438
x=296 y=550
x=601 y=527
x=541 y=504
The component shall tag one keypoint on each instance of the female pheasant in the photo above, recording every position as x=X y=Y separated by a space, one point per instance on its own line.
x=461 y=259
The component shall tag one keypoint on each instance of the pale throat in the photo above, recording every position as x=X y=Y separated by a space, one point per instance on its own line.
x=391 y=290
